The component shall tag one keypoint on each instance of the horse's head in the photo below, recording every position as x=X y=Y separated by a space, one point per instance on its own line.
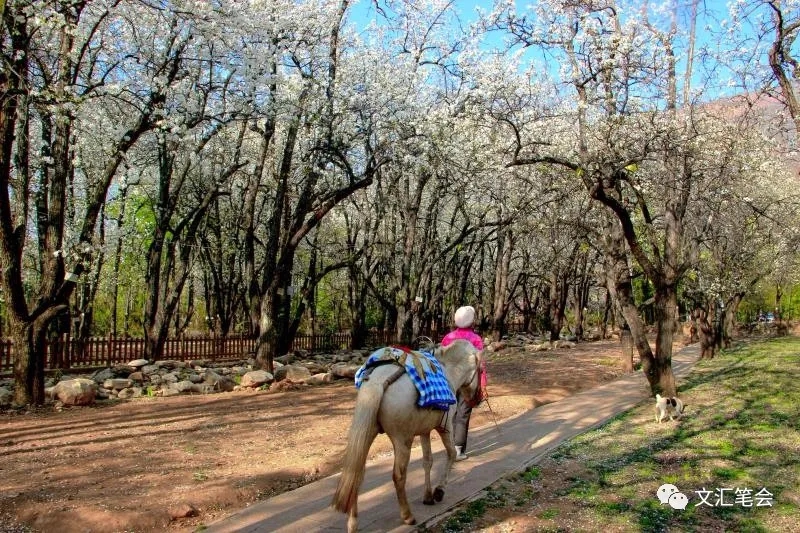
x=461 y=362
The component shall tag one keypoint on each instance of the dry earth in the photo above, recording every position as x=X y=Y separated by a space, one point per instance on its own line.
x=141 y=465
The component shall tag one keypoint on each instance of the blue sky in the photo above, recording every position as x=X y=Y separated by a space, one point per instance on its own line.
x=711 y=15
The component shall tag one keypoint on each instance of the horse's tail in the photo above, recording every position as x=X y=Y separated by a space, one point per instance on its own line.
x=362 y=432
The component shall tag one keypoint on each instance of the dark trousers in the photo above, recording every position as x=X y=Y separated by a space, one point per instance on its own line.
x=461 y=424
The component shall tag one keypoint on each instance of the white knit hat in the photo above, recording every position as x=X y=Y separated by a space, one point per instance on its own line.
x=465 y=316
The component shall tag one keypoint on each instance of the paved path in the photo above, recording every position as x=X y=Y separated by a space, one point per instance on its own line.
x=494 y=452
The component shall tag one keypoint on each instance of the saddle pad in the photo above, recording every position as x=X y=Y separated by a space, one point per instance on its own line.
x=424 y=370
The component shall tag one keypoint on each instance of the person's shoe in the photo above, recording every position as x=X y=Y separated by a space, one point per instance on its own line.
x=460 y=455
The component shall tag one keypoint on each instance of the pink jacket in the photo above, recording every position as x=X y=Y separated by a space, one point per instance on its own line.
x=476 y=340
x=463 y=334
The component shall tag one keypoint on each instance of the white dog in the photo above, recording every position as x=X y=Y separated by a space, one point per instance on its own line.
x=668 y=407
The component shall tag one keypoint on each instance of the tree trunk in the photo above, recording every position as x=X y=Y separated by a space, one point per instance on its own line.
x=627 y=348
x=404 y=325
x=358 y=311
x=659 y=369
x=620 y=288
x=30 y=352
x=559 y=287
x=28 y=363
x=500 y=297
x=729 y=319
x=706 y=333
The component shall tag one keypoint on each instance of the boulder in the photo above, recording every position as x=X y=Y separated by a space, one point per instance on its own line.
x=103 y=374
x=256 y=378
x=294 y=373
x=149 y=369
x=138 y=363
x=314 y=367
x=320 y=379
x=286 y=359
x=286 y=385
x=201 y=388
x=218 y=382
x=117 y=384
x=344 y=370
x=182 y=386
x=79 y=391
x=495 y=346
x=131 y=392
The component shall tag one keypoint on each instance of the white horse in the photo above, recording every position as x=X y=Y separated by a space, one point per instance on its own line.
x=393 y=409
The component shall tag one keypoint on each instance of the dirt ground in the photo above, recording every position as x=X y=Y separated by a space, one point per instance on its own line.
x=176 y=463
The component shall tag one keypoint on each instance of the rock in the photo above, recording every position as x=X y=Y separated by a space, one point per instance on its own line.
x=256 y=378
x=496 y=346
x=315 y=367
x=182 y=386
x=132 y=392
x=117 y=384
x=344 y=370
x=219 y=383
x=138 y=363
x=564 y=344
x=202 y=388
x=285 y=359
x=80 y=391
x=320 y=379
x=149 y=369
x=293 y=373
x=6 y=397
x=170 y=365
x=138 y=377
x=102 y=375
x=183 y=510
x=285 y=385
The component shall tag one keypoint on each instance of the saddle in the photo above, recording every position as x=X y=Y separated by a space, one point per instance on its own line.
x=424 y=370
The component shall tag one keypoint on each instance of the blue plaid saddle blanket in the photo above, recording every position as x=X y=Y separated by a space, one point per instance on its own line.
x=424 y=370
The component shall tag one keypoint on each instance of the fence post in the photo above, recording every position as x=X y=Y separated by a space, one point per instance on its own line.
x=109 y=359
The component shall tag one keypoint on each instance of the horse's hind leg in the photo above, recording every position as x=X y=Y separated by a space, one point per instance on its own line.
x=402 y=453
x=427 y=463
x=352 y=519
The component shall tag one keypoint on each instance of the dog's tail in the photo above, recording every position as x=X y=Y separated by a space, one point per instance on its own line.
x=658 y=397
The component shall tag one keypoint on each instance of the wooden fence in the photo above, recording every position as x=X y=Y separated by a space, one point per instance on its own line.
x=66 y=352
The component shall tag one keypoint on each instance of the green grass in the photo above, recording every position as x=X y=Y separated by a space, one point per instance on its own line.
x=741 y=431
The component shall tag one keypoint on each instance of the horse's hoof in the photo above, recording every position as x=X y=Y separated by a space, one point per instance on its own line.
x=410 y=521
x=428 y=501
x=438 y=494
